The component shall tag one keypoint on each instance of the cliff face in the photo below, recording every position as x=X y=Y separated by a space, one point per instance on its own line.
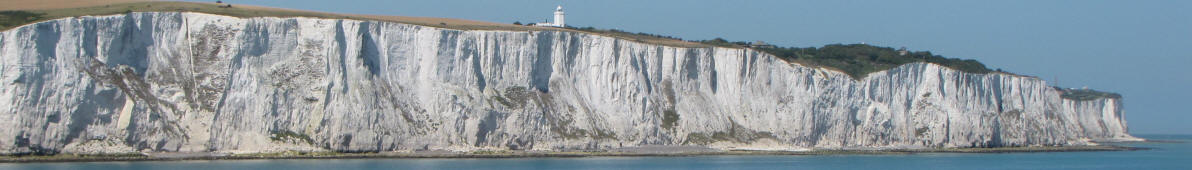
x=199 y=82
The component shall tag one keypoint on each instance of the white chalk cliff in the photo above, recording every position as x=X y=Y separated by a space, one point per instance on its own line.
x=199 y=82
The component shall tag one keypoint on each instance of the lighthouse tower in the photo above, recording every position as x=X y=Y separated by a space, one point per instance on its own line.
x=559 y=17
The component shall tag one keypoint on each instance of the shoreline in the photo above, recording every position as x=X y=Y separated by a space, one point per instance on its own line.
x=534 y=154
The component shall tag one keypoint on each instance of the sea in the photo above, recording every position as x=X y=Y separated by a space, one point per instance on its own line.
x=1170 y=152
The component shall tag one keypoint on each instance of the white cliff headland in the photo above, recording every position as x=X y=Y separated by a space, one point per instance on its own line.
x=193 y=82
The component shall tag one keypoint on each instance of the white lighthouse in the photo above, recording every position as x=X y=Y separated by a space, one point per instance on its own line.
x=559 y=17
x=558 y=22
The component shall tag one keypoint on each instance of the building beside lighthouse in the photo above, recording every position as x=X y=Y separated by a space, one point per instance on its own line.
x=559 y=19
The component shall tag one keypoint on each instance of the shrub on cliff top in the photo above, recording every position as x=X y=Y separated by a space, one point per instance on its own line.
x=858 y=60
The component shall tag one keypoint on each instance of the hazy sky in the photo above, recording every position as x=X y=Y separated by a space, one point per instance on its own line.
x=1141 y=49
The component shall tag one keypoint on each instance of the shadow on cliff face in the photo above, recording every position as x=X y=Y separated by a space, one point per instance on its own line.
x=136 y=38
x=369 y=54
x=540 y=73
x=46 y=41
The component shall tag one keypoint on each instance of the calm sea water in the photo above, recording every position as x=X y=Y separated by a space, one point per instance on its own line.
x=1162 y=156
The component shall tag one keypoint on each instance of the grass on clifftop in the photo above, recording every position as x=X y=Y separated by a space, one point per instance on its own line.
x=10 y=19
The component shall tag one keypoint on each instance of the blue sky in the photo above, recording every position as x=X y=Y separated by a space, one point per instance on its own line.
x=1141 y=49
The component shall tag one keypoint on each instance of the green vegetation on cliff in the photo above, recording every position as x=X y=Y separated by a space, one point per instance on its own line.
x=1085 y=94
x=283 y=136
x=857 y=60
